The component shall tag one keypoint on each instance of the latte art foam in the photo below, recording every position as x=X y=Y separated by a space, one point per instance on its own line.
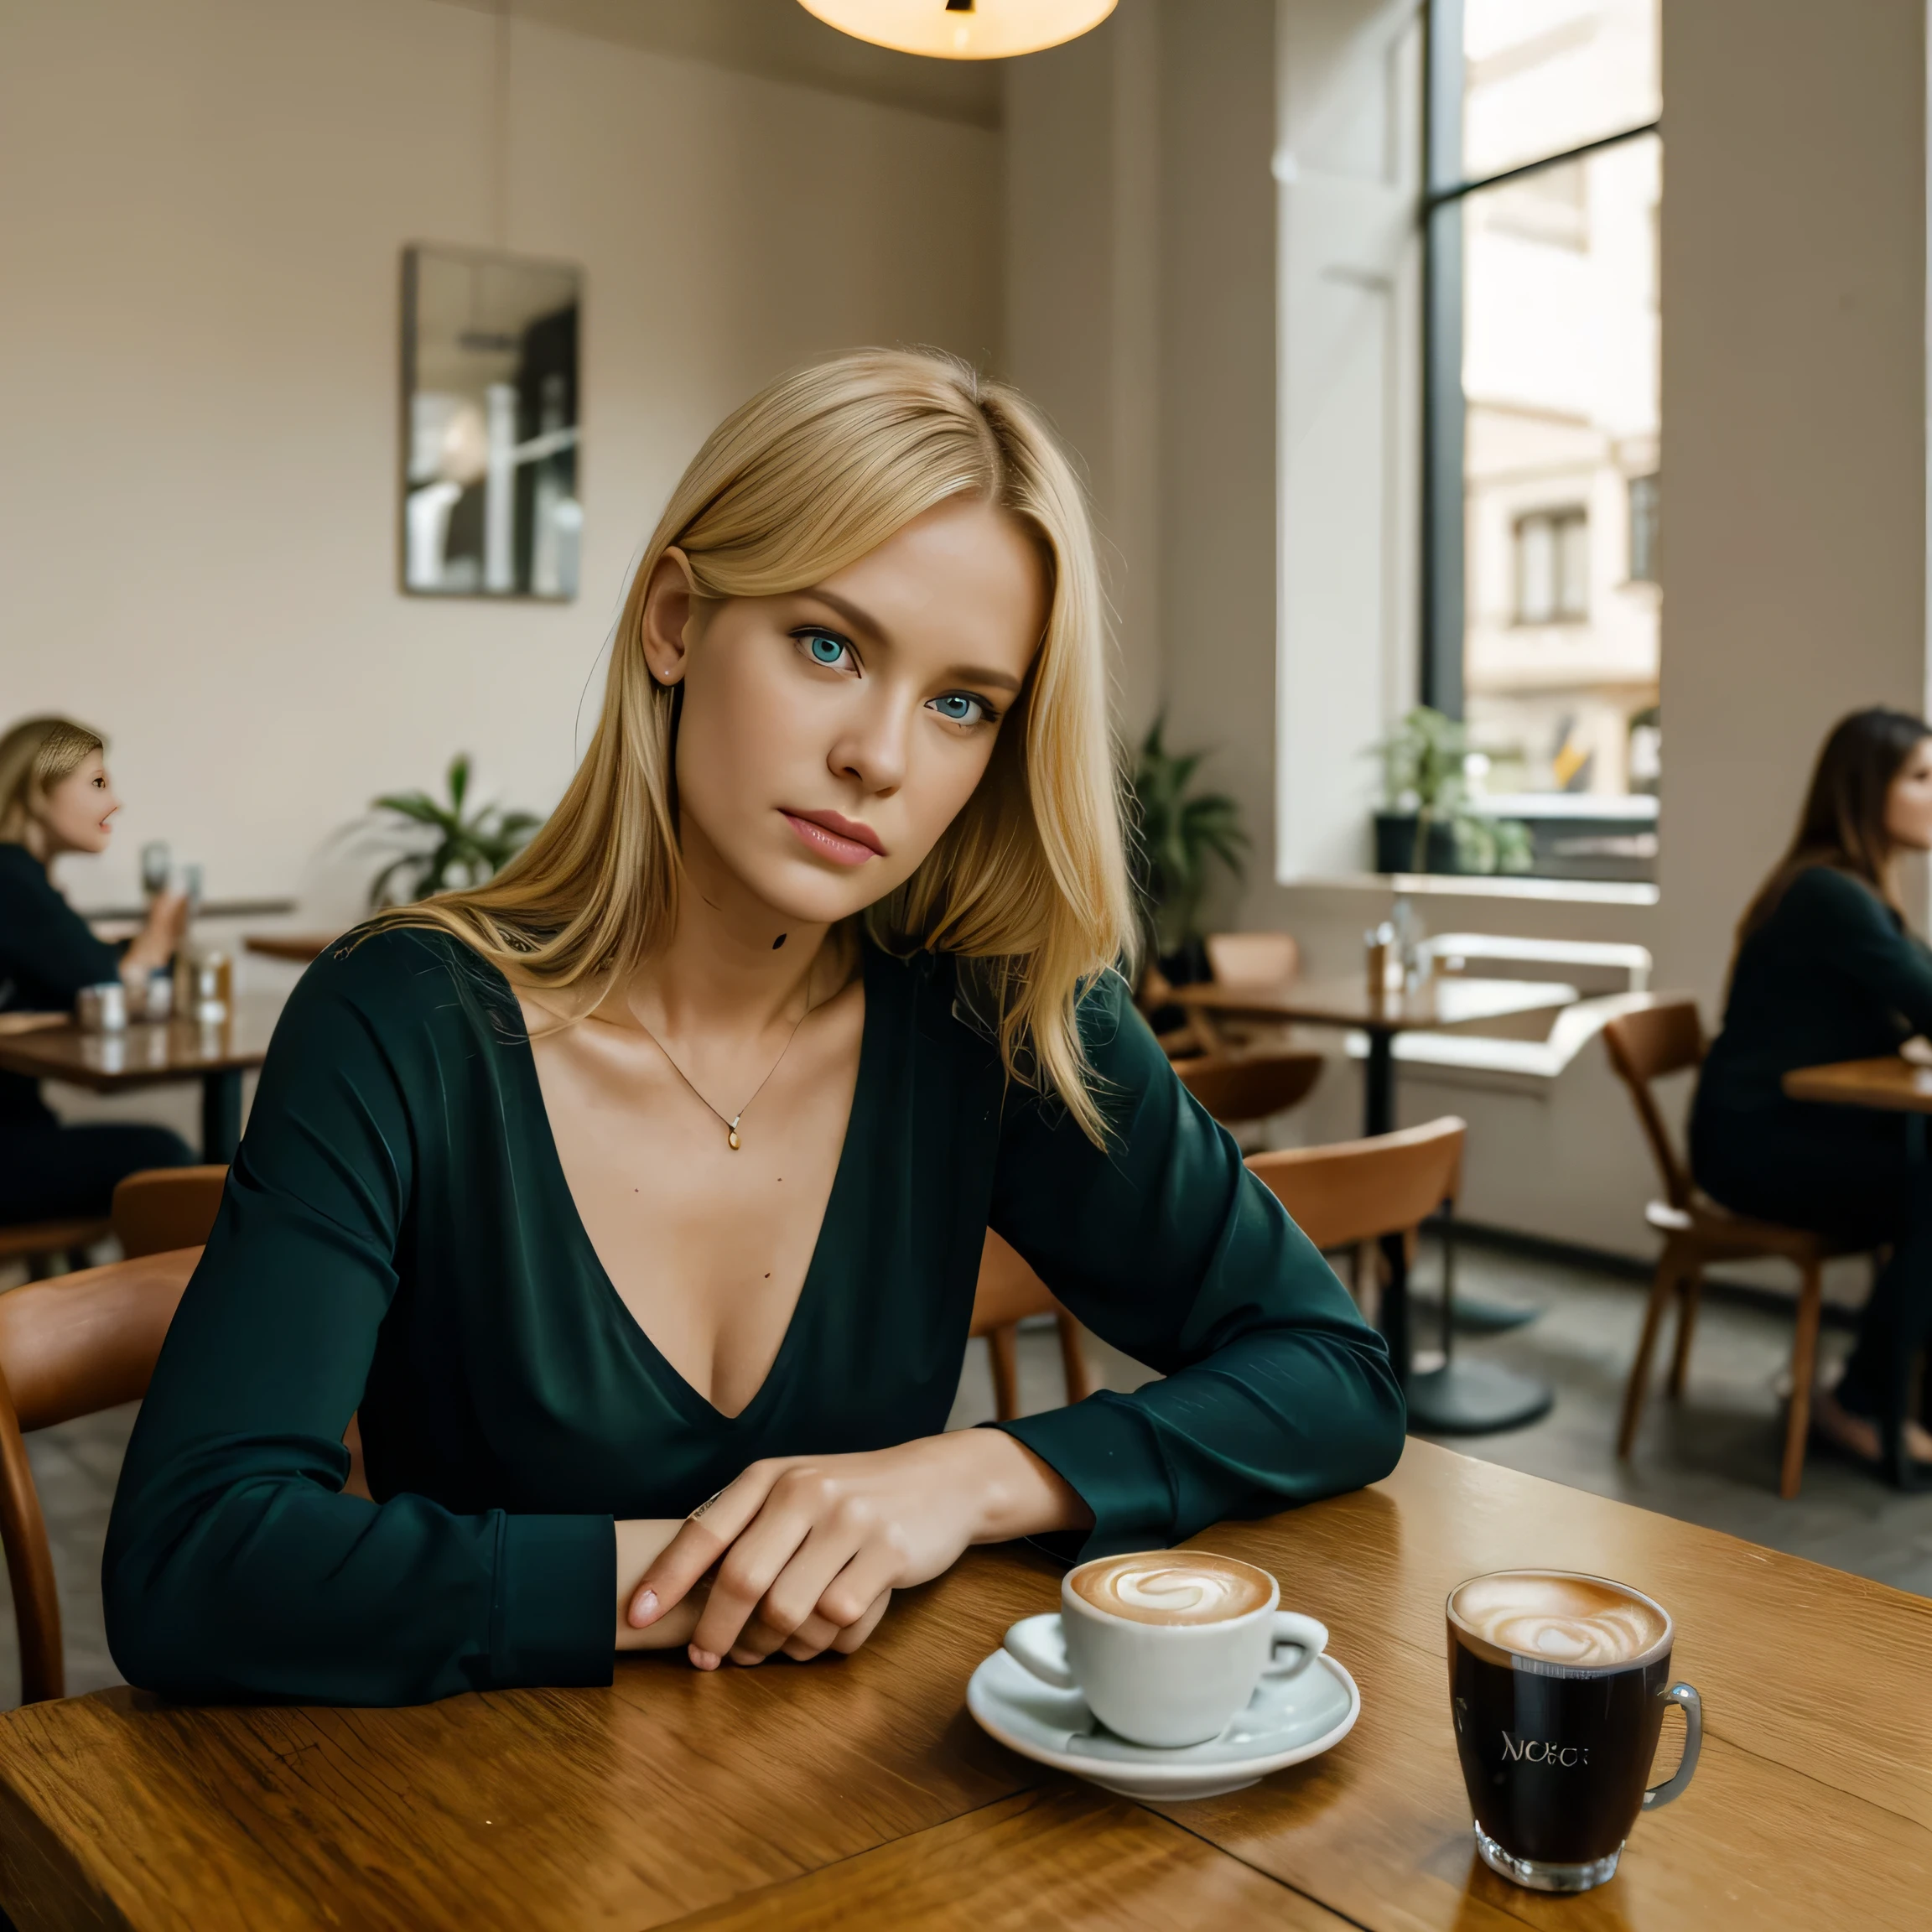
x=1172 y=1586
x=1577 y=1623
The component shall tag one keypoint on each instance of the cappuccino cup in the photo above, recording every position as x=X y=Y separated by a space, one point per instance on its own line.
x=1558 y=1685
x=1166 y=1645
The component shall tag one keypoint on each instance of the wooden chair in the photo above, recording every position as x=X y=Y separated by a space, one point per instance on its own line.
x=37 y=1243
x=1644 y=1047
x=70 y=1347
x=1350 y=1194
x=1239 y=1087
x=1009 y=1291
x=163 y=1207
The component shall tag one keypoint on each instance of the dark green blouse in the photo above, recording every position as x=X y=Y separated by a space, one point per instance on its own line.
x=397 y=1235
x=47 y=953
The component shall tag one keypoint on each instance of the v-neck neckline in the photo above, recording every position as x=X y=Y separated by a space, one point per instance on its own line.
x=665 y=1372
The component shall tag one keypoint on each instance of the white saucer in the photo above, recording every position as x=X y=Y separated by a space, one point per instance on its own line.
x=1282 y=1724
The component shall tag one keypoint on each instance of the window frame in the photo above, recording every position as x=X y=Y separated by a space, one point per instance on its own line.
x=1445 y=188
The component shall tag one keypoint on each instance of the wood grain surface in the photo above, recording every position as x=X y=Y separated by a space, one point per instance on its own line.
x=145 y=1054
x=1892 y=1082
x=860 y=1793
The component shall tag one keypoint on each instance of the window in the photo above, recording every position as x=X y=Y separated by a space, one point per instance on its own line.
x=1543 y=173
x=1643 y=529
x=1553 y=567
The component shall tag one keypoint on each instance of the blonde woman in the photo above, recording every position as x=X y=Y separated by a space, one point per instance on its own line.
x=636 y=1198
x=56 y=798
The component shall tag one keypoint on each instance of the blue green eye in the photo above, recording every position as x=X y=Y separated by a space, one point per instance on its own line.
x=822 y=648
x=962 y=708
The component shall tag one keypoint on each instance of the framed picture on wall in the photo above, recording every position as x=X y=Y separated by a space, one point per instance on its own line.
x=490 y=501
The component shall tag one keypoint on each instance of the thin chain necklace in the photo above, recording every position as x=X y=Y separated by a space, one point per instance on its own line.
x=731 y=1125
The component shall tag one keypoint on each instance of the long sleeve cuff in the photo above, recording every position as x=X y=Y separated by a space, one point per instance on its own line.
x=1105 y=1449
x=554 y=1618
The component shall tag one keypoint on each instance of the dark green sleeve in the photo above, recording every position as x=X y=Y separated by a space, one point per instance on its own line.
x=1275 y=1391
x=234 y=1567
x=1864 y=941
x=48 y=951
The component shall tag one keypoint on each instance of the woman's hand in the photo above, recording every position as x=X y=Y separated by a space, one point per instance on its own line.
x=809 y=1549
x=157 y=940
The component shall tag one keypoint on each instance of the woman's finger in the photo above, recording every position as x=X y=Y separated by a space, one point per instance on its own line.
x=756 y=1560
x=853 y=1635
x=708 y=1532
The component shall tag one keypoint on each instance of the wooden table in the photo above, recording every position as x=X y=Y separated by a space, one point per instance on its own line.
x=860 y=1794
x=1893 y=1083
x=153 y=1055
x=1439 y=1005
x=1461 y=1397
x=301 y=947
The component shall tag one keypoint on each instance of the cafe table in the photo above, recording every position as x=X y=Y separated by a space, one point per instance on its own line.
x=1461 y=1397
x=858 y=1793
x=156 y=1054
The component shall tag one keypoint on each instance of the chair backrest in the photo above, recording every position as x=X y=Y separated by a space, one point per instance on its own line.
x=164 y=1208
x=68 y=1346
x=1643 y=1046
x=1354 y=1190
x=1009 y=1290
x=1236 y=1087
x=1252 y=959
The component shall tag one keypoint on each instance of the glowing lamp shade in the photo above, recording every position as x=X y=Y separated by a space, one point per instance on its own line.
x=962 y=29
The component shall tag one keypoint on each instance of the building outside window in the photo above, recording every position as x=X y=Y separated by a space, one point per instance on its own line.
x=1553 y=567
x=1541 y=601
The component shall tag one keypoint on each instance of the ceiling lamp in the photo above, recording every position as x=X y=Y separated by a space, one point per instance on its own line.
x=962 y=29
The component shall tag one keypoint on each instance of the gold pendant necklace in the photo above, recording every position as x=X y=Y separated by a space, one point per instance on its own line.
x=731 y=1125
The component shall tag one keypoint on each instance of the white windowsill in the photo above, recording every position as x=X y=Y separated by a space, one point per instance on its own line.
x=1494 y=885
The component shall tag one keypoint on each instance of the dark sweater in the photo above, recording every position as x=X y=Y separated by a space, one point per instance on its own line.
x=397 y=1235
x=1832 y=976
x=47 y=954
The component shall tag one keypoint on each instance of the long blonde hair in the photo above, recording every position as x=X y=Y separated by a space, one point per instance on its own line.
x=1029 y=881
x=35 y=757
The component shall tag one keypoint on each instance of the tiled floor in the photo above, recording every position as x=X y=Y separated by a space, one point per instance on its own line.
x=1713 y=1459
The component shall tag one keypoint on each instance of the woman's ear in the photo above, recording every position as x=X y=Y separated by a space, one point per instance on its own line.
x=671 y=602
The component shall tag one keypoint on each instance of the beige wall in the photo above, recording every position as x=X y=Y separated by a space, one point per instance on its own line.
x=206 y=201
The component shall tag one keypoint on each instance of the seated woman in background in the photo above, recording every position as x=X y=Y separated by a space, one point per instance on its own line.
x=55 y=798
x=637 y=1198
x=1826 y=971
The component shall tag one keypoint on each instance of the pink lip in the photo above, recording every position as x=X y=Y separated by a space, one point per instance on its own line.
x=843 y=840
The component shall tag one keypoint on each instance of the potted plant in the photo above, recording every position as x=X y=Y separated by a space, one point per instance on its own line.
x=1178 y=836
x=445 y=849
x=1426 y=824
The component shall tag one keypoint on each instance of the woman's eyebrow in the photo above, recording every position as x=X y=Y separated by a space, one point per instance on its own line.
x=862 y=619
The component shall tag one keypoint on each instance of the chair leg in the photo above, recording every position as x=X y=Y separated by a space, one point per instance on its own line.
x=1073 y=1360
x=1003 y=1347
x=1803 y=1367
x=1689 y=1292
x=1669 y=1270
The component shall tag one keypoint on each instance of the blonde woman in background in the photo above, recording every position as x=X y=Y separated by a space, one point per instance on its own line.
x=637 y=1198
x=55 y=798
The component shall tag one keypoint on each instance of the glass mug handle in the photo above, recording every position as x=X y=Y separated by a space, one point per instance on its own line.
x=1684 y=1697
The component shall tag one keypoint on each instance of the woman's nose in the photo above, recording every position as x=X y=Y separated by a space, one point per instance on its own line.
x=873 y=748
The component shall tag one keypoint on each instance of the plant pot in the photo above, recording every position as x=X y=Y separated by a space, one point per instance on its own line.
x=1395 y=843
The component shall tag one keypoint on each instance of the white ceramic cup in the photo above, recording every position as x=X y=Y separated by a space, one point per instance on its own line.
x=1164 y=1685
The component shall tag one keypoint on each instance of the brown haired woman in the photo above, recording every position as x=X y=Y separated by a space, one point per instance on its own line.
x=1826 y=971
x=55 y=798
x=635 y=1199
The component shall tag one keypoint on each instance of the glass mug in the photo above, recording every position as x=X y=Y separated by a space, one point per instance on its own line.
x=1558 y=1685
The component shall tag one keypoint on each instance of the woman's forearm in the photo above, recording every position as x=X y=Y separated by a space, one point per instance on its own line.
x=1020 y=1493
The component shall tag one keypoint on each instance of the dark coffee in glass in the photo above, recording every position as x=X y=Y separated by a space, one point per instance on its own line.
x=1558 y=1685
